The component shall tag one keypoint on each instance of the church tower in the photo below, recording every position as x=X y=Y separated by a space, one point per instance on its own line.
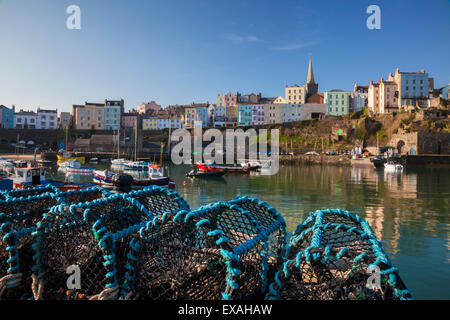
x=311 y=87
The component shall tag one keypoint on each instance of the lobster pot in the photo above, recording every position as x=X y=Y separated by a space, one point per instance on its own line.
x=18 y=218
x=158 y=200
x=266 y=216
x=216 y=252
x=31 y=191
x=79 y=196
x=336 y=261
x=90 y=239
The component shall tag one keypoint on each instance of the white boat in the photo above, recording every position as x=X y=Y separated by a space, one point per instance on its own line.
x=119 y=161
x=393 y=167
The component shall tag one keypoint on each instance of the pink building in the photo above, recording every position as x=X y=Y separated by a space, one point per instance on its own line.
x=149 y=107
x=258 y=114
x=129 y=120
x=230 y=99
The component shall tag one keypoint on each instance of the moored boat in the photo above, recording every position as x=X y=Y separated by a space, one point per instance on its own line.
x=216 y=168
x=35 y=176
x=105 y=179
x=391 y=166
x=205 y=174
x=67 y=157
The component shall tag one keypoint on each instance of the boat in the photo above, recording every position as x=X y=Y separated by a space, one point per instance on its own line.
x=67 y=157
x=136 y=166
x=20 y=163
x=6 y=165
x=119 y=161
x=93 y=160
x=35 y=176
x=253 y=165
x=391 y=166
x=216 y=168
x=205 y=174
x=74 y=166
x=103 y=178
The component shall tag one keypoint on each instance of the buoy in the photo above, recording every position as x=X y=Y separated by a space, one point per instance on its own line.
x=184 y=183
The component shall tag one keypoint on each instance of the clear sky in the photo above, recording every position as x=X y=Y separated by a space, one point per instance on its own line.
x=181 y=51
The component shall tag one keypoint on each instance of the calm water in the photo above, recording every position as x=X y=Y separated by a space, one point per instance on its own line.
x=409 y=212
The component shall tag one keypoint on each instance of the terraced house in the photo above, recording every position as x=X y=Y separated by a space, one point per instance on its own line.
x=337 y=101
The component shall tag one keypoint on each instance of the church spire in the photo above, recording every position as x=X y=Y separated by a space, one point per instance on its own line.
x=310 y=78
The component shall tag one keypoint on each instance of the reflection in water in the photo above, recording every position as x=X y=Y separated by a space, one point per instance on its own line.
x=408 y=211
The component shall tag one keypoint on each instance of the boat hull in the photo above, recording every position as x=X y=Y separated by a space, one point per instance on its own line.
x=106 y=181
x=230 y=170
x=63 y=159
x=206 y=174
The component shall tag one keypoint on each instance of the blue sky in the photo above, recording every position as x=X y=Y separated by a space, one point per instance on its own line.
x=191 y=50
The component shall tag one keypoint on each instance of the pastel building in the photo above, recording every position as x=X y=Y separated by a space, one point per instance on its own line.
x=244 y=115
x=65 y=120
x=25 y=120
x=412 y=87
x=47 y=119
x=196 y=116
x=279 y=100
x=150 y=123
x=290 y=112
x=273 y=113
x=221 y=100
x=258 y=114
x=129 y=120
x=337 y=101
x=360 y=97
x=88 y=116
x=148 y=107
x=6 y=117
x=445 y=92
x=232 y=116
x=230 y=99
x=112 y=115
x=219 y=116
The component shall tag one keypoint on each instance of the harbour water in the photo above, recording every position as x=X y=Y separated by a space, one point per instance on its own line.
x=409 y=211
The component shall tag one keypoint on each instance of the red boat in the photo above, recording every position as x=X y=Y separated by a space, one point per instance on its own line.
x=216 y=168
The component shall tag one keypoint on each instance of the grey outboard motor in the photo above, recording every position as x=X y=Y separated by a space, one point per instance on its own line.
x=122 y=183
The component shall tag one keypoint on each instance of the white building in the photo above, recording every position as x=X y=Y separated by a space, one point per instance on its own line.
x=359 y=100
x=25 y=119
x=165 y=123
x=219 y=115
x=47 y=119
x=291 y=112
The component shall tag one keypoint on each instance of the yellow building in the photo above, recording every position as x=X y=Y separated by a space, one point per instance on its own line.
x=190 y=114
x=89 y=116
x=150 y=123
x=280 y=100
x=295 y=94
x=232 y=116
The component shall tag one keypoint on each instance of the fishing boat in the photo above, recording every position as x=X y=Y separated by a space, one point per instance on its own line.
x=216 y=168
x=6 y=165
x=35 y=176
x=105 y=179
x=74 y=166
x=252 y=165
x=205 y=174
x=67 y=157
x=391 y=166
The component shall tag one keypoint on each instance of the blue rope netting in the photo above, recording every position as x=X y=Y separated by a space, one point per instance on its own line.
x=224 y=250
x=18 y=218
x=148 y=244
x=334 y=254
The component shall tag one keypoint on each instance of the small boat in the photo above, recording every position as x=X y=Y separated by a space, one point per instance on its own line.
x=136 y=166
x=253 y=165
x=104 y=179
x=390 y=166
x=205 y=174
x=93 y=160
x=67 y=157
x=216 y=168
x=74 y=166
x=35 y=176
x=119 y=161
x=20 y=164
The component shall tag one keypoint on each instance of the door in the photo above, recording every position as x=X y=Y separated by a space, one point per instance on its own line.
x=36 y=177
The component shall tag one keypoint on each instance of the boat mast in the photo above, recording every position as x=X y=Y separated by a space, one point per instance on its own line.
x=66 y=137
x=135 y=141
x=118 y=143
